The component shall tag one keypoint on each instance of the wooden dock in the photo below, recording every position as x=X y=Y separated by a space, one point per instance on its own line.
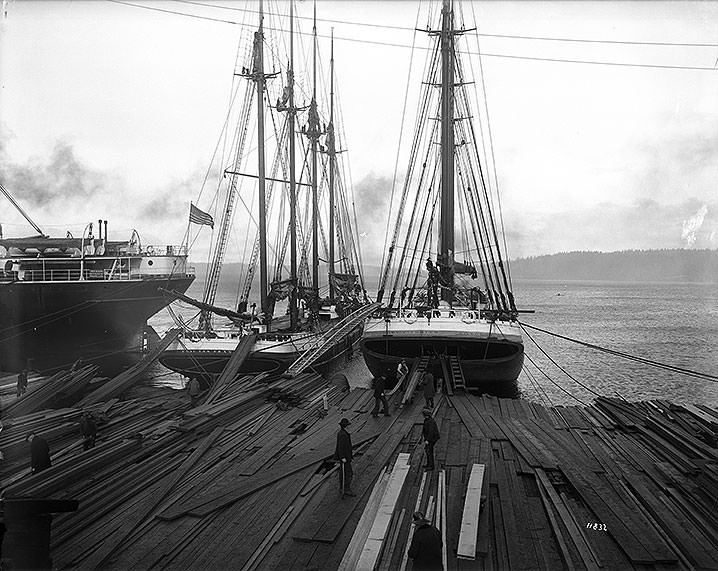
x=245 y=481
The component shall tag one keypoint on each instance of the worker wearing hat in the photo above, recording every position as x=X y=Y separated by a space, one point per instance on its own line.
x=431 y=436
x=39 y=452
x=344 y=455
x=426 y=545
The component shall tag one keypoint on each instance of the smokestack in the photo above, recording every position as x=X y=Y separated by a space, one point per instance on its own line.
x=105 y=234
x=99 y=229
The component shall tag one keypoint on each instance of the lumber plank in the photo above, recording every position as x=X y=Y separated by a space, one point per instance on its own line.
x=412 y=527
x=361 y=532
x=558 y=534
x=470 y=519
x=640 y=543
x=377 y=533
x=575 y=532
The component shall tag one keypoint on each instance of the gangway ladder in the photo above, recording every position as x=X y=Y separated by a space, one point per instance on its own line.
x=325 y=340
x=457 y=373
x=415 y=376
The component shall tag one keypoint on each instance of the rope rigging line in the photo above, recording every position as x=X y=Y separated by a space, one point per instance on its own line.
x=487 y=197
x=488 y=35
x=543 y=395
x=393 y=44
x=425 y=248
x=387 y=259
x=491 y=138
x=474 y=169
x=564 y=371
x=650 y=362
x=422 y=226
x=539 y=369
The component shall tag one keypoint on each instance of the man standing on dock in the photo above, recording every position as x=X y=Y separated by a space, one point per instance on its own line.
x=21 y=382
x=193 y=389
x=402 y=371
x=430 y=431
x=379 y=388
x=429 y=389
x=88 y=427
x=39 y=453
x=344 y=454
x=426 y=545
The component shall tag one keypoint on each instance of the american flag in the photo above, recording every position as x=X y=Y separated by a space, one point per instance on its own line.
x=196 y=216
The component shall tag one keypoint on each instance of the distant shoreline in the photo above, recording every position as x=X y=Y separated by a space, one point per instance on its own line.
x=549 y=281
x=676 y=266
x=629 y=266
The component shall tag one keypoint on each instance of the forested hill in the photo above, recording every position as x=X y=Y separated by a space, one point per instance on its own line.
x=629 y=265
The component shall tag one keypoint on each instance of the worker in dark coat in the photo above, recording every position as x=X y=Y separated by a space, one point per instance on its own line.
x=379 y=388
x=344 y=454
x=39 y=453
x=429 y=389
x=22 y=382
x=88 y=427
x=402 y=374
x=426 y=545
x=194 y=390
x=430 y=432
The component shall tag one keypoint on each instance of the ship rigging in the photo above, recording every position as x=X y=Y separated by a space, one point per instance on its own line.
x=449 y=311
x=296 y=190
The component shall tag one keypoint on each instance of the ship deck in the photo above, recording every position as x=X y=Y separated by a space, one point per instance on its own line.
x=241 y=482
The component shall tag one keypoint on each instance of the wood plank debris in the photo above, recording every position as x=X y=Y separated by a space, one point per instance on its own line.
x=611 y=485
x=127 y=378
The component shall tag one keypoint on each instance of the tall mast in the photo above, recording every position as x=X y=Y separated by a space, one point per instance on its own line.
x=313 y=134
x=293 y=312
x=446 y=237
x=260 y=79
x=331 y=150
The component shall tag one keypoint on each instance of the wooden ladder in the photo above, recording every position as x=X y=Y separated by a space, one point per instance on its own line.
x=457 y=374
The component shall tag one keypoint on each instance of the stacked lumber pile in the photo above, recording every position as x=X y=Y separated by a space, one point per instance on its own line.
x=160 y=485
x=635 y=470
x=61 y=389
x=231 y=370
x=522 y=486
x=126 y=379
x=61 y=429
x=242 y=482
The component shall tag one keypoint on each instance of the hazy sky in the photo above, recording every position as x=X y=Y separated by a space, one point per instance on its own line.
x=113 y=111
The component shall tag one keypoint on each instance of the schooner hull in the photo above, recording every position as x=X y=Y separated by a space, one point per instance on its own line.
x=491 y=355
x=207 y=358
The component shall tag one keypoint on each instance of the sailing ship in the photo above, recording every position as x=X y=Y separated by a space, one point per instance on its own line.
x=450 y=307
x=298 y=312
x=90 y=297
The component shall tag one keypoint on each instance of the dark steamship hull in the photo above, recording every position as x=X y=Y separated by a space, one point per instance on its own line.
x=46 y=325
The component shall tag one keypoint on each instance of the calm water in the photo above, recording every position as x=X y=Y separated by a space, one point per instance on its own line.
x=676 y=324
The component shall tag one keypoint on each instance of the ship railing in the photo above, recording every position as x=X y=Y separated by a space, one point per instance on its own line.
x=68 y=275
